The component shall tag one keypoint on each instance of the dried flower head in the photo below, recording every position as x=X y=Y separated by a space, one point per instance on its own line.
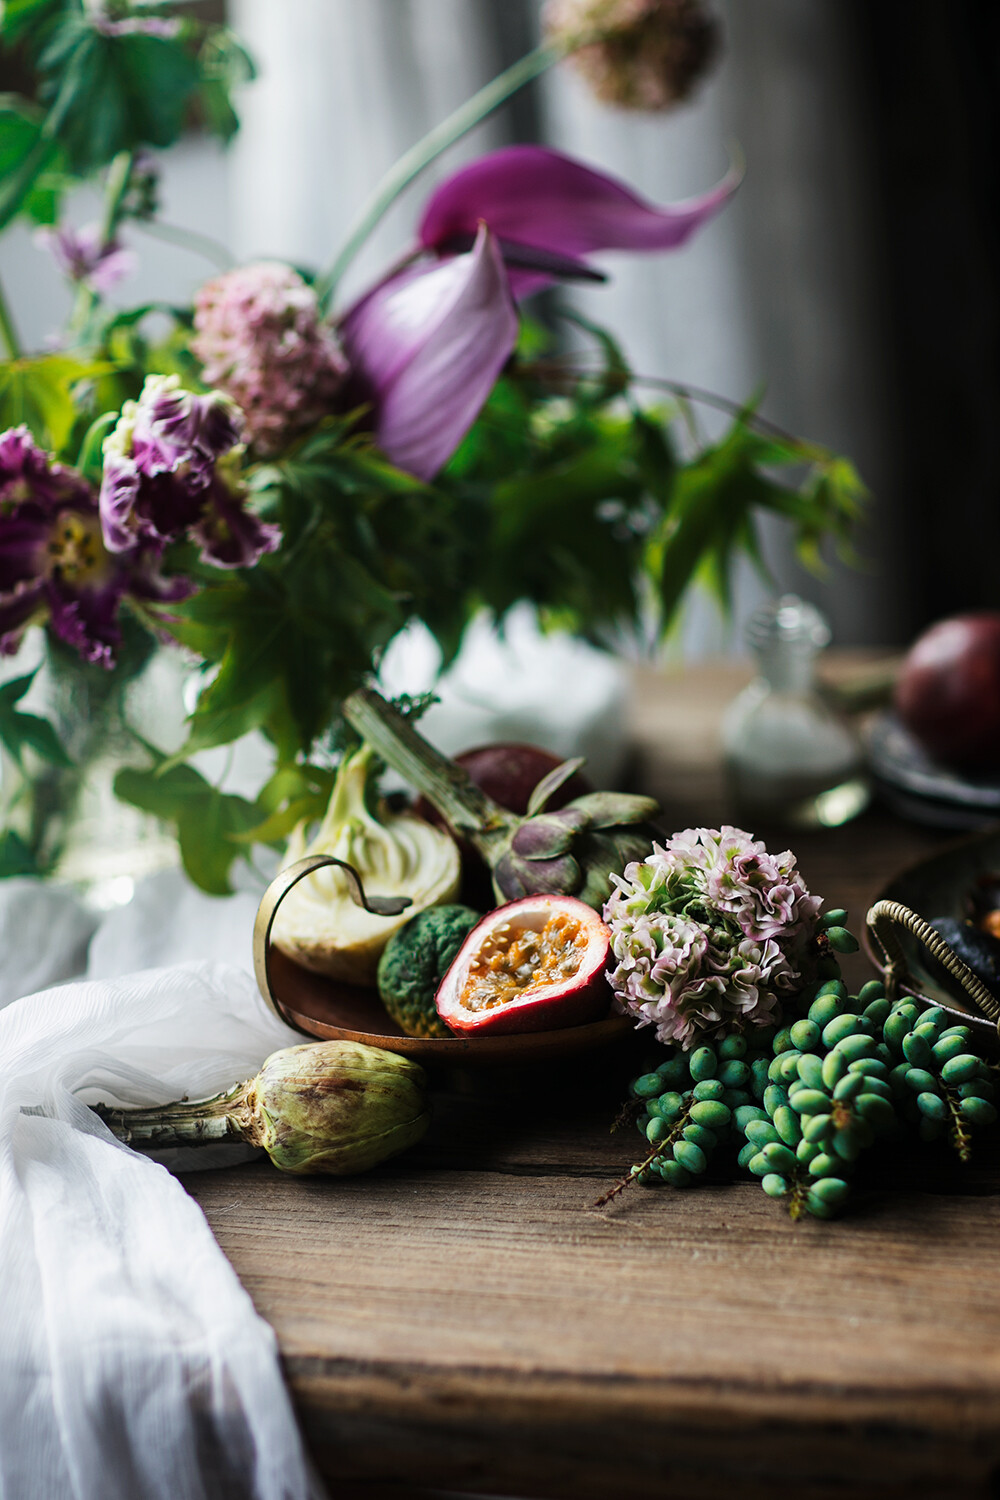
x=260 y=338
x=640 y=54
x=709 y=932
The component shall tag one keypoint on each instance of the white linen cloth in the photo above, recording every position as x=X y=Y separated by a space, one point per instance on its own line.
x=133 y=1366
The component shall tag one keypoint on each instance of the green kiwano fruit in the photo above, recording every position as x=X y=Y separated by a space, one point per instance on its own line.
x=413 y=963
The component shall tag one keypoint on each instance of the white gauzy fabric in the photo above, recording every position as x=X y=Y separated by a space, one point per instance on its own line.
x=133 y=1366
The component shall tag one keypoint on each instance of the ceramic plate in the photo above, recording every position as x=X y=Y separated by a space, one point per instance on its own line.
x=918 y=788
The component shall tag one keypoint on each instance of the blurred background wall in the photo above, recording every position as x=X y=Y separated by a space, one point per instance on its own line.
x=853 y=278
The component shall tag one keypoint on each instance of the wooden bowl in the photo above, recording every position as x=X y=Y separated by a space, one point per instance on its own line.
x=325 y=1008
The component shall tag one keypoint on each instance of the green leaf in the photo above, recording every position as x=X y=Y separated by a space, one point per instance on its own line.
x=207 y=820
x=19 y=18
x=39 y=392
x=22 y=731
x=15 y=856
x=24 y=155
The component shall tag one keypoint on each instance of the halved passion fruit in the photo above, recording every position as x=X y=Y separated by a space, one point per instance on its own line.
x=532 y=965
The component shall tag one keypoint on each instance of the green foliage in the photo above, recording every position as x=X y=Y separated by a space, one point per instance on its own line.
x=41 y=393
x=208 y=822
x=15 y=856
x=20 y=731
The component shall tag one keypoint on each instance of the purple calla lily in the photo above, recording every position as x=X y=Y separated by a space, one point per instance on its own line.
x=549 y=212
x=54 y=565
x=426 y=347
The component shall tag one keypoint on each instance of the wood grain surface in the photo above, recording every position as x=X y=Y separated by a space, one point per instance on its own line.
x=465 y=1320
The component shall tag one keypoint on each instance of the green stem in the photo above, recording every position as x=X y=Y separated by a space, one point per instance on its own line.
x=439 y=779
x=8 y=330
x=119 y=173
x=221 y=1118
x=188 y=239
x=420 y=156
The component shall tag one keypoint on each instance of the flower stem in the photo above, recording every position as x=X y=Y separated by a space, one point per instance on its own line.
x=8 y=329
x=420 y=156
x=221 y=1118
x=119 y=173
x=188 y=239
x=439 y=779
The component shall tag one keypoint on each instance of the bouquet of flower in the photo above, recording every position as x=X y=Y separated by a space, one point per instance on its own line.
x=279 y=483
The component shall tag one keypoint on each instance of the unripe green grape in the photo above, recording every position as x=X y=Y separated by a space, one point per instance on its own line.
x=810 y=1101
x=841 y=941
x=920 y=1081
x=786 y=1123
x=647 y=1086
x=848 y=1144
x=947 y=1048
x=877 y=1012
x=834 y=1068
x=827 y=1165
x=976 y=1088
x=734 y=1074
x=894 y=1030
x=849 y=1086
x=708 y=1088
x=961 y=1068
x=884 y=1054
x=979 y=1111
x=871 y=993
x=746 y=1114
x=818 y=1208
x=703 y=1064
x=855 y=1047
x=928 y=1030
x=698 y=1135
x=758 y=1076
x=898 y=1078
x=669 y=1105
x=825 y=1008
x=811 y=1070
x=710 y=1113
x=963 y=1032
x=782 y=1041
x=644 y=1176
x=673 y=1173
x=774 y=1185
x=656 y=1130
x=758 y=1165
x=828 y=968
x=877 y=1111
x=732 y=1047
x=735 y=1098
x=774 y=1095
x=840 y=1027
x=908 y=1009
x=641 y=1123
x=690 y=1156
x=779 y=1158
x=760 y=1132
x=933 y=1106
x=817 y=1127
x=834 y=986
x=674 y=1071
x=835 y=918
x=933 y=1016
x=774 y=1069
x=833 y=1191
x=876 y=1085
x=746 y=1155
x=788 y=1066
x=804 y=1034
x=916 y=1050
x=872 y=1067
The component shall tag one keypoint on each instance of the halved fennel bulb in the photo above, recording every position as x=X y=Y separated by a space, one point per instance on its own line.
x=396 y=854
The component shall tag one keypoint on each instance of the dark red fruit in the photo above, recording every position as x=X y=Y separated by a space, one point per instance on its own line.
x=948 y=694
x=533 y=965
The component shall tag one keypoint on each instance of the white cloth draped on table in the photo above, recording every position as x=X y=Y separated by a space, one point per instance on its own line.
x=133 y=1365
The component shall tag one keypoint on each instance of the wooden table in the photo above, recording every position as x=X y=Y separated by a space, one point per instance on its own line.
x=464 y=1319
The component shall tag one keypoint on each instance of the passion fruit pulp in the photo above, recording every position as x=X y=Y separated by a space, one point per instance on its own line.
x=533 y=965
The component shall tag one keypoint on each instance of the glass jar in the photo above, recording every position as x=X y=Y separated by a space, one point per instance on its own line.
x=790 y=758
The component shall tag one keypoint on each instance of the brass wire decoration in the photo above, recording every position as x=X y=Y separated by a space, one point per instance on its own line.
x=886 y=918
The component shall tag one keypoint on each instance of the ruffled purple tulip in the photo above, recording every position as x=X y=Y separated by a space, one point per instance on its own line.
x=550 y=212
x=172 y=469
x=84 y=256
x=54 y=566
x=427 y=346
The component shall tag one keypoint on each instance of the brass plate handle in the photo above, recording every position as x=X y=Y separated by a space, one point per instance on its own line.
x=379 y=906
x=887 y=918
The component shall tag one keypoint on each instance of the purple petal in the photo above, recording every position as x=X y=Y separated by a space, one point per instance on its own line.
x=88 y=620
x=23 y=539
x=17 y=611
x=119 y=489
x=539 y=198
x=231 y=536
x=428 y=345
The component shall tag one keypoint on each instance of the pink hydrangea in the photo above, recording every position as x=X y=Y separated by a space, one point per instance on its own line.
x=639 y=54
x=708 y=934
x=261 y=340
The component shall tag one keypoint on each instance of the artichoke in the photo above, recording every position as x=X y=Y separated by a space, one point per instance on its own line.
x=571 y=852
x=333 y=1107
x=319 y=924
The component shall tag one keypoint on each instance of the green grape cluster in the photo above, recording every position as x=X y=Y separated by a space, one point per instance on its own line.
x=685 y=1109
x=939 y=1086
x=802 y=1103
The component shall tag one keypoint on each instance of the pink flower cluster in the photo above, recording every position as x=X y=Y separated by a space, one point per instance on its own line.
x=638 y=54
x=261 y=340
x=708 y=933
